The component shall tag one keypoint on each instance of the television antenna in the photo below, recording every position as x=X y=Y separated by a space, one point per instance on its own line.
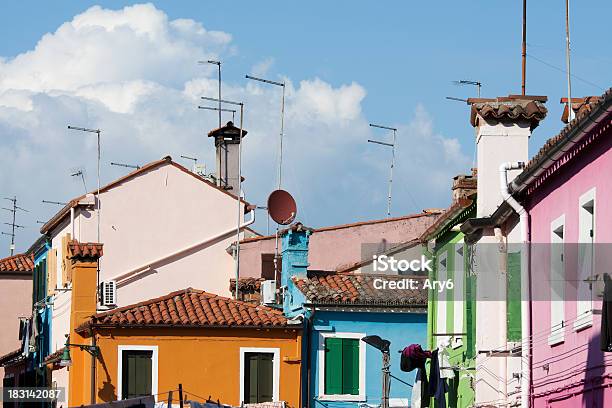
x=239 y=192
x=218 y=64
x=464 y=82
x=13 y=224
x=222 y=110
x=79 y=173
x=282 y=125
x=53 y=202
x=129 y=166
x=392 y=146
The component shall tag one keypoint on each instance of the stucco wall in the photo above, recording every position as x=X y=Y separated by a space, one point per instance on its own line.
x=205 y=361
x=331 y=248
x=573 y=364
x=15 y=302
x=402 y=329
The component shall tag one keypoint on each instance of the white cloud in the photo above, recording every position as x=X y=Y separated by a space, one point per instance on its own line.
x=133 y=73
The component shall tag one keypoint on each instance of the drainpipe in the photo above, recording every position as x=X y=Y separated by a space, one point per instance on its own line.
x=72 y=221
x=526 y=358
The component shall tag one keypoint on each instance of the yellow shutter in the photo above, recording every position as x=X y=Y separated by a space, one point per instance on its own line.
x=51 y=271
x=66 y=270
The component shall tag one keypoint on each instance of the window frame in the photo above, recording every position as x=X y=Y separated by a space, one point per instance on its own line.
x=442 y=303
x=557 y=330
x=154 y=367
x=275 y=369
x=362 y=366
x=458 y=304
x=584 y=318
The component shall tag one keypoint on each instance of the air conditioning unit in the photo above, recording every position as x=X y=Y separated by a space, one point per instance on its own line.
x=268 y=292
x=108 y=293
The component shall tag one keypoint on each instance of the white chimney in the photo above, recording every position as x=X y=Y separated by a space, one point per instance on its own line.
x=503 y=126
x=227 y=143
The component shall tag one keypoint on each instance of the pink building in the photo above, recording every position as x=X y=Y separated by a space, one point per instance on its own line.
x=567 y=193
x=15 y=302
x=339 y=247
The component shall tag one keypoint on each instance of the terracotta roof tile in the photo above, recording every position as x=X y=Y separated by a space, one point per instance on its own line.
x=580 y=106
x=580 y=116
x=246 y=284
x=442 y=222
x=17 y=263
x=331 y=288
x=78 y=249
x=511 y=108
x=190 y=308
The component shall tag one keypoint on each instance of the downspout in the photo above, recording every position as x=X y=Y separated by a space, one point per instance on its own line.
x=146 y=266
x=72 y=222
x=94 y=357
x=526 y=358
x=309 y=332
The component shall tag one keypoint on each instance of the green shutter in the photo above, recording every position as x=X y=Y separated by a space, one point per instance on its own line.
x=514 y=296
x=350 y=366
x=333 y=366
x=470 y=313
x=137 y=373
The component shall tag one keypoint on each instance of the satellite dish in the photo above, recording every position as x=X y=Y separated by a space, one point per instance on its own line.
x=282 y=207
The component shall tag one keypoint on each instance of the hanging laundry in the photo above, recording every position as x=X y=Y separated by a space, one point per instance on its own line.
x=413 y=357
x=420 y=390
x=606 y=315
x=438 y=386
x=140 y=402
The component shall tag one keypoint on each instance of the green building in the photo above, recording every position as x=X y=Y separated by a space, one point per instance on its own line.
x=452 y=311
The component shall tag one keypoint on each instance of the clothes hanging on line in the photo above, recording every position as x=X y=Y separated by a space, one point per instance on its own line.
x=420 y=390
x=413 y=357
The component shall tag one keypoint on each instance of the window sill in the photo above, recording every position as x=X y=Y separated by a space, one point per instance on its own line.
x=584 y=321
x=342 y=397
x=556 y=338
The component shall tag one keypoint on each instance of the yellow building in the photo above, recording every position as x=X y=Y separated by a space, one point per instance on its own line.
x=216 y=347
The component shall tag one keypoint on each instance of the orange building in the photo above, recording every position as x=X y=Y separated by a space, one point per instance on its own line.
x=216 y=347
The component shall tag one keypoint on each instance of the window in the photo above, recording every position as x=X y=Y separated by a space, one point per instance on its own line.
x=259 y=374
x=267 y=266
x=586 y=240
x=137 y=371
x=557 y=281
x=342 y=367
x=258 y=377
x=458 y=294
x=441 y=305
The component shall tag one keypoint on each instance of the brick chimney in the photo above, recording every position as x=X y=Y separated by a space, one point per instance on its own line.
x=82 y=267
x=464 y=186
x=227 y=141
x=503 y=126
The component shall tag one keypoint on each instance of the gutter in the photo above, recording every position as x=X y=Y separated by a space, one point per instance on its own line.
x=525 y=279
x=147 y=266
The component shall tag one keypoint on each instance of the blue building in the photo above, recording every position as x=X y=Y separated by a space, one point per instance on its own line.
x=41 y=312
x=339 y=309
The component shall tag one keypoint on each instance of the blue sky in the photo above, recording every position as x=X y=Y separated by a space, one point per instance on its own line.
x=401 y=57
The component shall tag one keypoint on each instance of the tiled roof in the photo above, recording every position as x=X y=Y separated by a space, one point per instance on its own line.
x=580 y=106
x=57 y=218
x=55 y=356
x=190 y=308
x=17 y=263
x=453 y=211
x=10 y=358
x=511 y=108
x=541 y=160
x=330 y=288
x=85 y=250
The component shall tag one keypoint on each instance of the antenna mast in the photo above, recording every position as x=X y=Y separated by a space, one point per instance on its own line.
x=524 y=52
x=570 y=111
x=13 y=224
x=392 y=146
